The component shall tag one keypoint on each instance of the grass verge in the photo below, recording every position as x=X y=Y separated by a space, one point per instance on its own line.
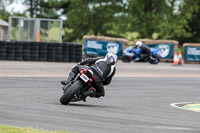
x=9 y=129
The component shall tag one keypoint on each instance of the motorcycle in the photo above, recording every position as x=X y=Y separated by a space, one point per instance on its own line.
x=135 y=56
x=74 y=90
x=128 y=56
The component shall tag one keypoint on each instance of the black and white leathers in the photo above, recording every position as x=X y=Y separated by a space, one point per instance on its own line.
x=104 y=68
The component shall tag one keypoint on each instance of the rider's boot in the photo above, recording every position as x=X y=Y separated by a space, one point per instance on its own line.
x=70 y=77
x=86 y=94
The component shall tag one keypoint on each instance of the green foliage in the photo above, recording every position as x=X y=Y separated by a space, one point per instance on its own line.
x=190 y=11
x=95 y=17
x=156 y=17
x=130 y=19
x=4 y=15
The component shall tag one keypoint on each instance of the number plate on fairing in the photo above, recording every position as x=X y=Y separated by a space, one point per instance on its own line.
x=84 y=77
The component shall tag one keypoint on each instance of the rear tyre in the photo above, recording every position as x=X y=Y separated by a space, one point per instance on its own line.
x=69 y=94
x=156 y=60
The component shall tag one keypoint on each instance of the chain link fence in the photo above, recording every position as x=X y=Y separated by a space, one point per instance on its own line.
x=35 y=29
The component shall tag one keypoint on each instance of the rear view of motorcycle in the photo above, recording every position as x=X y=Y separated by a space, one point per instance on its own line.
x=74 y=90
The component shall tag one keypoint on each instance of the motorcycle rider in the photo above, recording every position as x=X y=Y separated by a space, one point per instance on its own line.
x=103 y=70
x=145 y=51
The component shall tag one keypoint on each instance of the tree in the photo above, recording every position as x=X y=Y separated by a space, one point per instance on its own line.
x=91 y=17
x=190 y=9
x=141 y=18
x=54 y=9
x=131 y=19
x=3 y=13
x=155 y=16
x=46 y=8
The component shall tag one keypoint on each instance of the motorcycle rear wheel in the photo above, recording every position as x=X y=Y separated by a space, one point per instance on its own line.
x=69 y=94
x=155 y=61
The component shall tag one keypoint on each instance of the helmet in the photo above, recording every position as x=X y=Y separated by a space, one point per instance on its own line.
x=111 y=55
x=138 y=44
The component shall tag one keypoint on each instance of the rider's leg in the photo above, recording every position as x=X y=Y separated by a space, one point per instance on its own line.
x=144 y=57
x=75 y=71
x=100 y=92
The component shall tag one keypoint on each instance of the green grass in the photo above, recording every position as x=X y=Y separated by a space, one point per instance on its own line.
x=9 y=129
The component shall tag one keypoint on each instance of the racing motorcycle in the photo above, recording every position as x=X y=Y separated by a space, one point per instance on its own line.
x=74 y=90
x=134 y=56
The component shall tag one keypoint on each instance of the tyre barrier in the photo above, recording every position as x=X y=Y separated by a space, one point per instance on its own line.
x=10 y=51
x=40 y=51
x=51 y=52
x=58 y=52
x=71 y=52
x=65 y=52
x=2 y=50
x=18 y=51
x=26 y=51
x=34 y=51
x=78 y=52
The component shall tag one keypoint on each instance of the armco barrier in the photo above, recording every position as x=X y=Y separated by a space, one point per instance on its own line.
x=40 y=51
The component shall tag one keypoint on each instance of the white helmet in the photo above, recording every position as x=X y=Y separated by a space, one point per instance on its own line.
x=111 y=55
x=138 y=44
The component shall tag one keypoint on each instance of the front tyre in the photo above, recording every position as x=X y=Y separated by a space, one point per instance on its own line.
x=126 y=58
x=69 y=94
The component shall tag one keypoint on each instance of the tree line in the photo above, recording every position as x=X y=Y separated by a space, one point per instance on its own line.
x=130 y=19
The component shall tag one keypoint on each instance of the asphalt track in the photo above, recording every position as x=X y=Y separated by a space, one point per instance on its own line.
x=137 y=101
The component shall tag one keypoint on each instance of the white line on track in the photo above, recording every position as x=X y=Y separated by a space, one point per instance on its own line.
x=175 y=128
x=182 y=103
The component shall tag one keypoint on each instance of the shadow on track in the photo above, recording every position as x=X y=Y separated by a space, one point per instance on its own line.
x=87 y=105
x=90 y=105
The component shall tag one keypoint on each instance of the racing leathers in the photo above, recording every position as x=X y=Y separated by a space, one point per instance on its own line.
x=145 y=52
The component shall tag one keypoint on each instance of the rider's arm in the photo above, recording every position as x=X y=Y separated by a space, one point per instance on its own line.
x=89 y=61
x=107 y=81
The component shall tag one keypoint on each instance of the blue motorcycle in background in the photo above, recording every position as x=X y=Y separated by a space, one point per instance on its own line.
x=134 y=55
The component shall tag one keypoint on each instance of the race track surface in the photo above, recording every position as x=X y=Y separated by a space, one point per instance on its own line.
x=137 y=101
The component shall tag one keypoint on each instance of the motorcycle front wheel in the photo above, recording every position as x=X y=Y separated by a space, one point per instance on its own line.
x=126 y=58
x=69 y=94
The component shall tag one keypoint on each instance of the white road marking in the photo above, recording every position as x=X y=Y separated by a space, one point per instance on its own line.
x=175 y=128
x=182 y=103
